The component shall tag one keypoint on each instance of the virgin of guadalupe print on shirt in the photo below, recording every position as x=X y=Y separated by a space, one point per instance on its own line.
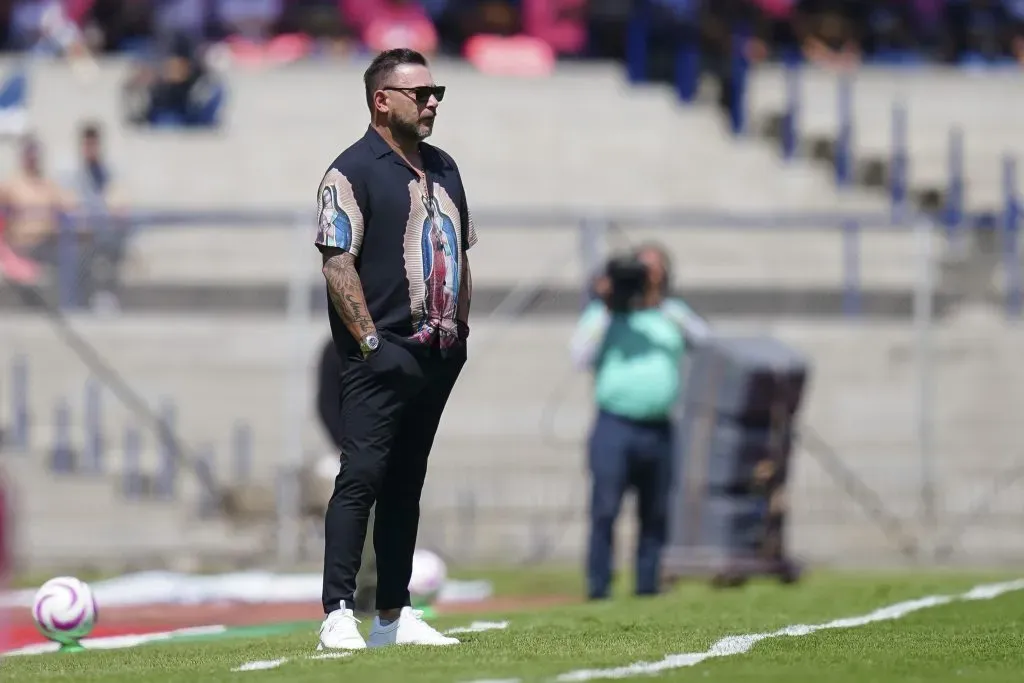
x=339 y=220
x=433 y=261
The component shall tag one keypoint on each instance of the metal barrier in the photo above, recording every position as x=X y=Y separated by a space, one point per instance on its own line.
x=77 y=256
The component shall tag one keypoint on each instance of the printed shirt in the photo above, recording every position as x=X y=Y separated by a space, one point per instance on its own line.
x=409 y=239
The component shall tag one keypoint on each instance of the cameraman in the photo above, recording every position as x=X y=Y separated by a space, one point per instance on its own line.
x=634 y=338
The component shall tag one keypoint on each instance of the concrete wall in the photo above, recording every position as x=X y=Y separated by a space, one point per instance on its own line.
x=508 y=466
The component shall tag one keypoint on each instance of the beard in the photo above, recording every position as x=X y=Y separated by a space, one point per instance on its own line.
x=413 y=131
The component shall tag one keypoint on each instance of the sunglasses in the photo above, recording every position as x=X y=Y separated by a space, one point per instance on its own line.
x=422 y=93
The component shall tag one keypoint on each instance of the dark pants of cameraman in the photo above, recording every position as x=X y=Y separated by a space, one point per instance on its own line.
x=626 y=454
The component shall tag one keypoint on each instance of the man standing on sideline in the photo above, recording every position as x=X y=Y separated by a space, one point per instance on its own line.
x=393 y=229
x=634 y=339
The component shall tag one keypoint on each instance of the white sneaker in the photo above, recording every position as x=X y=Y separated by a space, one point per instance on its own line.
x=408 y=629
x=340 y=631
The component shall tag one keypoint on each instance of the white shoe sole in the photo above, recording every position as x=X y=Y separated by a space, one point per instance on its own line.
x=320 y=647
x=372 y=645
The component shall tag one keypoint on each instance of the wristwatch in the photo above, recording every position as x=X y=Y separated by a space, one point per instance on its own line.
x=369 y=344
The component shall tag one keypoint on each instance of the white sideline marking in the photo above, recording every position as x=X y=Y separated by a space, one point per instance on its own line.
x=118 y=642
x=475 y=627
x=735 y=645
x=479 y=627
x=260 y=666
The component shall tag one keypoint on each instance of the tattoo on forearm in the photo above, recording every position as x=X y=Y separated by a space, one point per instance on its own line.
x=465 y=294
x=346 y=293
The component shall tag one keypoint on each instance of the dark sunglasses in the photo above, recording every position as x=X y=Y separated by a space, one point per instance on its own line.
x=422 y=93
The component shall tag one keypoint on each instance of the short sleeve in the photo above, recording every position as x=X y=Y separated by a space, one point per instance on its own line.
x=693 y=326
x=468 y=228
x=339 y=214
x=588 y=337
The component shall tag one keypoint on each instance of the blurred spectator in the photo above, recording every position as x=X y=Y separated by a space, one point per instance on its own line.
x=101 y=222
x=27 y=30
x=177 y=91
x=830 y=31
x=833 y=32
x=187 y=18
x=45 y=26
x=979 y=31
x=36 y=205
x=890 y=34
x=606 y=28
x=112 y=25
x=560 y=23
x=33 y=205
x=726 y=29
x=1015 y=15
x=772 y=31
x=321 y=20
x=386 y=24
x=252 y=19
x=251 y=31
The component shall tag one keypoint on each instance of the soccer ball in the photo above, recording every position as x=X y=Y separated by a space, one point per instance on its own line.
x=64 y=609
x=428 y=576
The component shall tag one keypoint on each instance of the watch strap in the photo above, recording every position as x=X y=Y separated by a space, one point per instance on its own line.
x=369 y=344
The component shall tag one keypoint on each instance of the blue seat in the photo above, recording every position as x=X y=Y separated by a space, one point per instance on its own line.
x=207 y=112
x=14 y=93
x=14 y=104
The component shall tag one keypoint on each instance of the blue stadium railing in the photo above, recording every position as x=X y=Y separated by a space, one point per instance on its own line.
x=687 y=74
x=593 y=227
x=952 y=215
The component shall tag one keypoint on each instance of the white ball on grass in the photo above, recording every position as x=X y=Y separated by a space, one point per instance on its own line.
x=64 y=609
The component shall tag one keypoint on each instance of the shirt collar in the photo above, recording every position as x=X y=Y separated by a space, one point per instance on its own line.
x=377 y=144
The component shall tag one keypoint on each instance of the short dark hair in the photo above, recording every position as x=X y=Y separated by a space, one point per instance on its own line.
x=90 y=130
x=383 y=65
x=662 y=252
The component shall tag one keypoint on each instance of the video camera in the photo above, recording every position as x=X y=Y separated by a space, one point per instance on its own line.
x=628 y=277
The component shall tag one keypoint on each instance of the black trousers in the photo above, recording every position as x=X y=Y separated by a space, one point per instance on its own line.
x=391 y=405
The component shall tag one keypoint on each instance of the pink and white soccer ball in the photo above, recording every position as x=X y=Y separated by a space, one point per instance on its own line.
x=64 y=609
x=429 y=573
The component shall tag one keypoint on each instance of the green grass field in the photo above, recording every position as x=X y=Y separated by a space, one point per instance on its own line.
x=964 y=640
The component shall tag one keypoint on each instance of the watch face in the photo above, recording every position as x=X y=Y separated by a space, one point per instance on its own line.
x=371 y=342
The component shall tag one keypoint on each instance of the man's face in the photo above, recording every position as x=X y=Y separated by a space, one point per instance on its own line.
x=30 y=157
x=90 y=148
x=655 y=264
x=410 y=110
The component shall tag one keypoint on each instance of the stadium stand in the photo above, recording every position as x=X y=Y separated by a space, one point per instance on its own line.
x=937 y=100
x=537 y=155
x=538 y=142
